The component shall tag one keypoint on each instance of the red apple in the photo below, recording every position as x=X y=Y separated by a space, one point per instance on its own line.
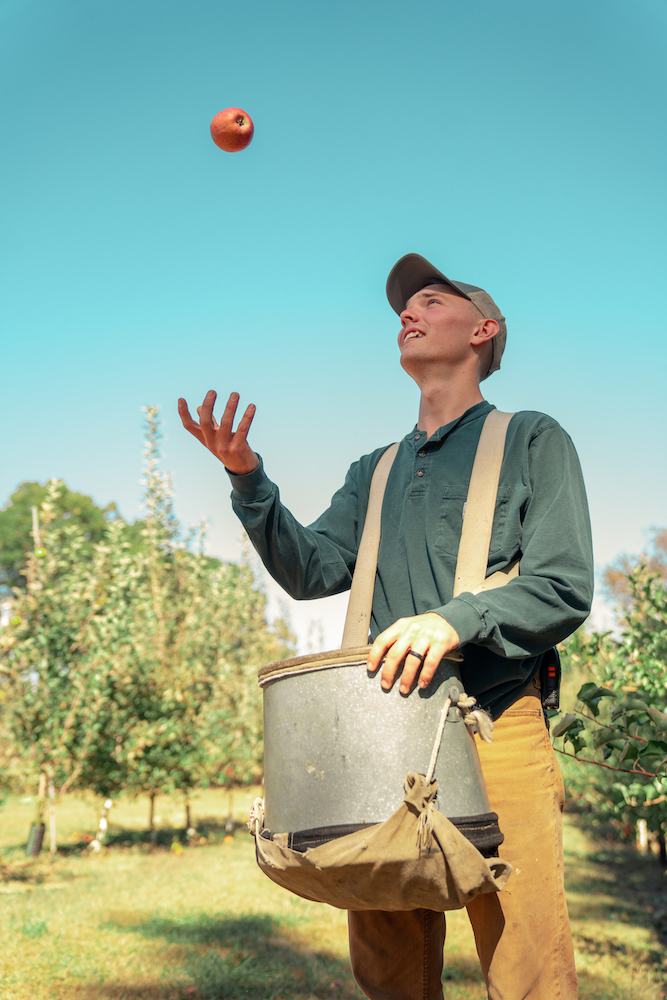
x=232 y=130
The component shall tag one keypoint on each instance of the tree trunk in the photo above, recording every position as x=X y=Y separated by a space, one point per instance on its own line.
x=663 y=849
x=41 y=799
x=102 y=827
x=642 y=836
x=229 y=825
x=36 y=835
x=188 y=814
x=53 y=846
x=151 y=818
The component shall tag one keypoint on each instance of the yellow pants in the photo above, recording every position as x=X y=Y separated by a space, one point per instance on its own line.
x=523 y=933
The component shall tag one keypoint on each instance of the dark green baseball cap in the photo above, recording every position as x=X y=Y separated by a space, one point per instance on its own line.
x=412 y=272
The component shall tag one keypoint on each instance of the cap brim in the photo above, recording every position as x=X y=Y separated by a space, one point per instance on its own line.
x=409 y=275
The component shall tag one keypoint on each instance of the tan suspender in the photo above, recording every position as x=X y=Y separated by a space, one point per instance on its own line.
x=357 y=620
x=473 y=555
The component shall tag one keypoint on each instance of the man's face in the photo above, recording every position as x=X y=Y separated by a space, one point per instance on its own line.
x=436 y=327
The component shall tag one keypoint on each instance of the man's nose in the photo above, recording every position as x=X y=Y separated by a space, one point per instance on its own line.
x=409 y=313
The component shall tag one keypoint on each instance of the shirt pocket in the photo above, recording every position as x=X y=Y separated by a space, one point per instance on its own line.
x=500 y=519
x=450 y=520
x=452 y=513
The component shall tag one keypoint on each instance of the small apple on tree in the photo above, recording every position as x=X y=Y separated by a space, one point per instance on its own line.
x=232 y=130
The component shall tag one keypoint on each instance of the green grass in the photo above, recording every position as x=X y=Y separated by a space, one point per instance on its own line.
x=140 y=922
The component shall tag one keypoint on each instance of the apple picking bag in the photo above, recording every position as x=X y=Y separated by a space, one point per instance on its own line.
x=417 y=857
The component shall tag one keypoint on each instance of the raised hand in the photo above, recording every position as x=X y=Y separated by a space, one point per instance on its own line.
x=228 y=445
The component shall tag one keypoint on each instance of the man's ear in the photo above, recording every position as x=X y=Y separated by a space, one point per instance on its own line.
x=485 y=331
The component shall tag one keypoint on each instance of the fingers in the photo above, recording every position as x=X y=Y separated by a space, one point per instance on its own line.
x=393 y=644
x=227 y=418
x=190 y=425
x=245 y=421
x=431 y=661
x=205 y=412
x=419 y=644
x=229 y=446
x=379 y=648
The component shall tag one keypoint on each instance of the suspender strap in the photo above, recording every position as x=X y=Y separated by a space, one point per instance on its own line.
x=358 y=618
x=473 y=554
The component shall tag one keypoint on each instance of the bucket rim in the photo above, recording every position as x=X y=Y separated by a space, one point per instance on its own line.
x=354 y=656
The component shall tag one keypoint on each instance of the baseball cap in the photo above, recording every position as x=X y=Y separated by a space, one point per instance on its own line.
x=413 y=272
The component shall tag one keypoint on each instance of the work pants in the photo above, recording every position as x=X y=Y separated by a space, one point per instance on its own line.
x=522 y=934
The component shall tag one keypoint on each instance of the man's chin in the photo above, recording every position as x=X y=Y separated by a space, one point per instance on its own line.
x=412 y=364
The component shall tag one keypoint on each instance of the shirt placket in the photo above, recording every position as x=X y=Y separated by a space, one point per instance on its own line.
x=420 y=465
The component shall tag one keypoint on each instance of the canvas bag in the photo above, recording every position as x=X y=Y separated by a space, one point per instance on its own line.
x=417 y=857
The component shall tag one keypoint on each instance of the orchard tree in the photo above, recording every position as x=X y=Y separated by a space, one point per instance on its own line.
x=616 y=576
x=54 y=661
x=618 y=731
x=186 y=710
x=134 y=667
x=16 y=524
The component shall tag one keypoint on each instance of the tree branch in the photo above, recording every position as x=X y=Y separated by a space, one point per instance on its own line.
x=609 y=767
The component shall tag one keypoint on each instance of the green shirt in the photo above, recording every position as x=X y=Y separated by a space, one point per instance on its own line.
x=541 y=516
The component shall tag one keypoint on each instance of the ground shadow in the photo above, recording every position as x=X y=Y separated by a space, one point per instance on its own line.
x=213 y=829
x=249 y=956
x=618 y=884
x=635 y=883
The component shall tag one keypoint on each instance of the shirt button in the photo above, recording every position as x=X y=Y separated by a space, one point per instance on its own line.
x=417 y=437
x=420 y=472
x=422 y=453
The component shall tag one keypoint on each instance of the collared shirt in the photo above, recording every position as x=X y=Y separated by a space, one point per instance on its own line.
x=541 y=516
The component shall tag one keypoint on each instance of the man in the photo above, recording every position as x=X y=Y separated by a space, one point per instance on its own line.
x=452 y=337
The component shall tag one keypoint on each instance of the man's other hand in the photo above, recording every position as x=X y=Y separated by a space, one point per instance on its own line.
x=428 y=635
x=228 y=445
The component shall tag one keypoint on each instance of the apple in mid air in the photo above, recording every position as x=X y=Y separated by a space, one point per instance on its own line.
x=232 y=129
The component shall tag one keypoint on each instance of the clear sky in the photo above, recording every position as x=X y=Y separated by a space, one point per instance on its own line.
x=520 y=146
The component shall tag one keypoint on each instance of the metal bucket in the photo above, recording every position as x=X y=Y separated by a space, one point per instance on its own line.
x=337 y=748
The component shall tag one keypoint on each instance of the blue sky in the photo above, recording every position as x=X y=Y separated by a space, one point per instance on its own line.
x=519 y=146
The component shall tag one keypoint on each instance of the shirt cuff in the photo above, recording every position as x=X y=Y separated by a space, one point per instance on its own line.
x=251 y=487
x=465 y=619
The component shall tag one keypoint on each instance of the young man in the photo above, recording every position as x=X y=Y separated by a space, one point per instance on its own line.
x=452 y=337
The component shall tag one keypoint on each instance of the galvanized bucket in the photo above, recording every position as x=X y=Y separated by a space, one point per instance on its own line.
x=338 y=747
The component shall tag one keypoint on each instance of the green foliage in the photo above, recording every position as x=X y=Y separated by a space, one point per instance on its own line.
x=615 y=577
x=618 y=731
x=16 y=541
x=55 y=669
x=135 y=669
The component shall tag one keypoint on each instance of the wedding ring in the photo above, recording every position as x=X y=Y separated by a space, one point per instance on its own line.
x=420 y=656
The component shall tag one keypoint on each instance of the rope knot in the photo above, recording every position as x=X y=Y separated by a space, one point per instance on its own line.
x=420 y=793
x=256 y=817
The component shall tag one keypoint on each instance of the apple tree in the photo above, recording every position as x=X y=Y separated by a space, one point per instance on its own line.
x=16 y=541
x=57 y=653
x=618 y=730
x=186 y=710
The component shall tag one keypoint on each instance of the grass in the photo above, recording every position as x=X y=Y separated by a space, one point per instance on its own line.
x=143 y=922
